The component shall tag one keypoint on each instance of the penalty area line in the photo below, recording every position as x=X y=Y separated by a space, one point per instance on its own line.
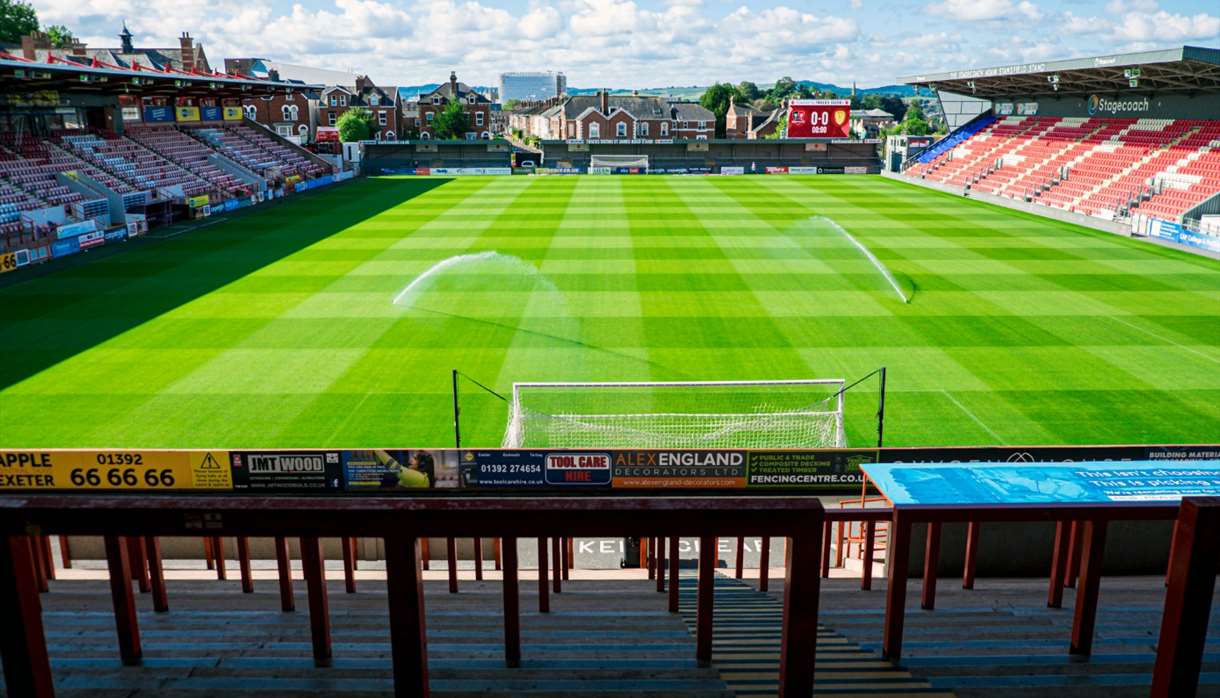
x=971 y=415
x=1154 y=335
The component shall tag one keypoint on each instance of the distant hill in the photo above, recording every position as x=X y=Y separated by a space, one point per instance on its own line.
x=691 y=92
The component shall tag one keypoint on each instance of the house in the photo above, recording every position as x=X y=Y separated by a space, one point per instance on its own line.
x=603 y=116
x=870 y=122
x=768 y=126
x=383 y=102
x=740 y=119
x=293 y=116
x=187 y=56
x=692 y=121
x=477 y=107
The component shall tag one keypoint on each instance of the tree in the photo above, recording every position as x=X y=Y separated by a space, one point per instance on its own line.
x=452 y=122
x=60 y=36
x=716 y=100
x=784 y=88
x=356 y=124
x=914 y=123
x=17 y=19
x=781 y=130
x=748 y=91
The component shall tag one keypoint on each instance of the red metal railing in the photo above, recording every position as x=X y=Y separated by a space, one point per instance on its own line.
x=23 y=645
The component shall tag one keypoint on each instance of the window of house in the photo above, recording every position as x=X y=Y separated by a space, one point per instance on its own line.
x=374 y=100
x=425 y=135
x=436 y=99
x=595 y=131
x=486 y=136
x=381 y=118
x=472 y=99
x=620 y=130
x=389 y=136
x=343 y=100
x=641 y=129
x=471 y=135
x=284 y=111
x=302 y=129
x=430 y=115
x=478 y=118
x=334 y=101
x=284 y=130
x=664 y=128
x=331 y=118
x=701 y=137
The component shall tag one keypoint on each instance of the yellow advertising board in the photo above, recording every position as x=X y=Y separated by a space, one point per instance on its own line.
x=232 y=114
x=115 y=470
x=8 y=262
x=186 y=114
x=199 y=201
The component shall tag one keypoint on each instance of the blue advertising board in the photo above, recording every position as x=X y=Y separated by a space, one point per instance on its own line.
x=158 y=113
x=63 y=248
x=1173 y=232
x=1007 y=484
x=211 y=114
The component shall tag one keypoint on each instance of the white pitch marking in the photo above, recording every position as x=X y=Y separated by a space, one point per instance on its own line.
x=1150 y=333
x=972 y=416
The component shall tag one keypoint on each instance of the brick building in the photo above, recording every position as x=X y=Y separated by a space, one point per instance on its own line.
x=419 y=116
x=383 y=102
x=615 y=117
x=187 y=56
x=742 y=121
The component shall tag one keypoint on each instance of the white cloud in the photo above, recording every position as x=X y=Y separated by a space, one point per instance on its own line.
x=982 y=10
x=637 y=43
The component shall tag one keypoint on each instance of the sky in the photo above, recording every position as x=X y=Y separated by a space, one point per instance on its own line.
x=647 y=43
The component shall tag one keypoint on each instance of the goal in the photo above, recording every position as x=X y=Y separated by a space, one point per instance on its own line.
x=619 y=161
x=684 y=414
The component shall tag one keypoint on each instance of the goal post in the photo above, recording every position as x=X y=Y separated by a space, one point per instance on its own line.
x=618 y=161
x=678 y=414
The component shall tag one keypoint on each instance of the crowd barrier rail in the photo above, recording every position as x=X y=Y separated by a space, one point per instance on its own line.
x=401 y=523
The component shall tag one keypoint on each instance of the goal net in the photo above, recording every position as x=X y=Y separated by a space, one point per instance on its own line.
x=616 y=161
x=688 y=414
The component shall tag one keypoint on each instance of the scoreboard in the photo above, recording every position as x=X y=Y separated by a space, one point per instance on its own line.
x=819 y=118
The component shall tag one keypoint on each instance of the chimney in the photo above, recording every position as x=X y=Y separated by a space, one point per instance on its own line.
x=188 y=51
x=125 y=37
x=453 y=90
x=34 y=41
x=78 y=48
x=605 y=101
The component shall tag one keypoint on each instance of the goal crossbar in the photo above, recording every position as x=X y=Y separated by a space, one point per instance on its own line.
x=814 y=417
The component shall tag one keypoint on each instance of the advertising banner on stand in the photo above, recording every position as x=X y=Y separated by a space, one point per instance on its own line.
x=115 y=470
x=288 y=471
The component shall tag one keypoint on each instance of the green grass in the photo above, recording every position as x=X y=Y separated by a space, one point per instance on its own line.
x=276 y=328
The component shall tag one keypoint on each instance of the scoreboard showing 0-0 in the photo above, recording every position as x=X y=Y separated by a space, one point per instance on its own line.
x=819 y=118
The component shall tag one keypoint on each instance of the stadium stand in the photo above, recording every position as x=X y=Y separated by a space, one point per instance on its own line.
x=256 y=151
x=98 y=152
x=188 y=153
x=1078 y=137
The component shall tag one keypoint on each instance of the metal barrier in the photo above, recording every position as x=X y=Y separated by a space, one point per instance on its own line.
x=1092 y=520
x=1191 y=584
x=401 y=522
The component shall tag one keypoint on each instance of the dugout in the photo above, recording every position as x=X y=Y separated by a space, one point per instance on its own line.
x=422 y=156
x=683 y=156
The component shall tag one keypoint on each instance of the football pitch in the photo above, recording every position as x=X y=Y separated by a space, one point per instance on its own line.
x=334 y=320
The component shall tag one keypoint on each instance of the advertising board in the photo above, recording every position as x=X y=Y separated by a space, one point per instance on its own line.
x=8 y=262
x=413 y=471
x=819 y=118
